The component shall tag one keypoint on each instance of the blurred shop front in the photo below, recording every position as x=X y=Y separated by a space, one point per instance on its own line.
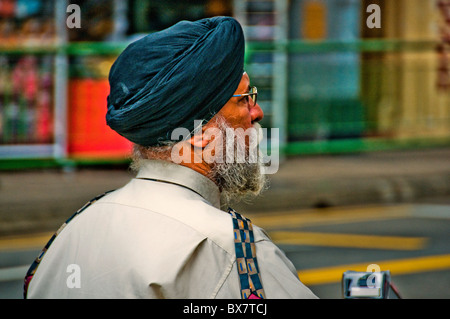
x=53 y=79
x=327 y=81
x=41 y=115
x=88 y=136
x=334 y=83
x=104 y=24
x=26 y=79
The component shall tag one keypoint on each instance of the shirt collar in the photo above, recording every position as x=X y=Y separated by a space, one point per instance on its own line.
x=183 y=176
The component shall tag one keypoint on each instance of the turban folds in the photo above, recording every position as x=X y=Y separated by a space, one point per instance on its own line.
x=170 y=78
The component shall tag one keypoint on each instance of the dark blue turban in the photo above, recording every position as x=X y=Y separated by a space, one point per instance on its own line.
x=170 y=78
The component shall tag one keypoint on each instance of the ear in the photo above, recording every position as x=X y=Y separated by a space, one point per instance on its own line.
x=199 y=140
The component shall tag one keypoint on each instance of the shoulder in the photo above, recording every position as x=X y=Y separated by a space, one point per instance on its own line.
x=170 y=205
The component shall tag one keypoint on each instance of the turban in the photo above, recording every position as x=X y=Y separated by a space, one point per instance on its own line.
x=171 y=78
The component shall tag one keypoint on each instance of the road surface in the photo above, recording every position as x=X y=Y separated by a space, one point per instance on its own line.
x=409 y=240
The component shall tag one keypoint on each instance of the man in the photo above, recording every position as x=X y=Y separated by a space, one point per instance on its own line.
x=163 y=235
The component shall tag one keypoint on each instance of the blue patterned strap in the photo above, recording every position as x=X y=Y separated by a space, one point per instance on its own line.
x=247 y=264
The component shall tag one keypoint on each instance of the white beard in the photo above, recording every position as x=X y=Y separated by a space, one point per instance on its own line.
x=242 y=175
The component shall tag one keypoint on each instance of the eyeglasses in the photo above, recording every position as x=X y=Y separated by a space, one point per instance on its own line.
x=253 y=94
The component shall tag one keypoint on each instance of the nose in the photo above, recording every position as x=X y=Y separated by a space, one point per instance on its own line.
x=256 y=113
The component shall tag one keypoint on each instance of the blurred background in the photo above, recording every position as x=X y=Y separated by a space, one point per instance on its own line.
x=361 y=98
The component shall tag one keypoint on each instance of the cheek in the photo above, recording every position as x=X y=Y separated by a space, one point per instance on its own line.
x=237 y=115
x=241 y=118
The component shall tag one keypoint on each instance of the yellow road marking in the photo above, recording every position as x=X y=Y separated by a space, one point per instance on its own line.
x=349 y=240
x=329 y=216
x=333 y=274
x=25 y=242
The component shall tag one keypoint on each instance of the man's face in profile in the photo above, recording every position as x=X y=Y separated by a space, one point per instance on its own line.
x=236 y=164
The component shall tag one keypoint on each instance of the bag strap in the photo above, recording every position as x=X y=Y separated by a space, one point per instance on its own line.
x=32 y=270
x=247 y=264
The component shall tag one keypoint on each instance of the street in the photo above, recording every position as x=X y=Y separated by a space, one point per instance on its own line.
x=411 y=240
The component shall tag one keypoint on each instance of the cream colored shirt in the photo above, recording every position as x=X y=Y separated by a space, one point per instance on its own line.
x=157 y=239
